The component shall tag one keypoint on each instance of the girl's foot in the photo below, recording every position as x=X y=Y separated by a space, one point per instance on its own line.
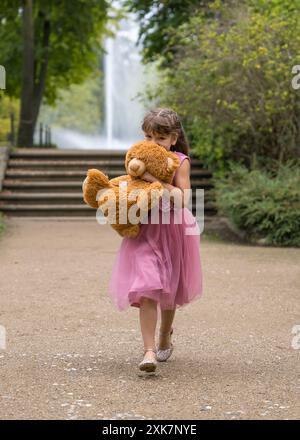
x=149 y=362
x=165 y=340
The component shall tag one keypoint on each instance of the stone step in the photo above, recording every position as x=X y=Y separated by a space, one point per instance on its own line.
x=48 y=182
x=39 y=186
x=64 y=163
x=62 y=210
x=77 y=174
x=41 y=198
x=72 y=185
x=27 y=209
x=58 y=198
x=70 y=154
x=74 y=164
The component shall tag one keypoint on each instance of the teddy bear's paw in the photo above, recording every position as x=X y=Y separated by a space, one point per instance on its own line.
x=89 y=193
x=94 y=182
x=131 y=232
x=97 y=178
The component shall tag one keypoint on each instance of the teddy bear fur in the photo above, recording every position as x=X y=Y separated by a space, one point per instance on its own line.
x=141 y=157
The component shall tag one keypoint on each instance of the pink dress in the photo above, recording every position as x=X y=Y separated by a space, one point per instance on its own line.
x=162 y=263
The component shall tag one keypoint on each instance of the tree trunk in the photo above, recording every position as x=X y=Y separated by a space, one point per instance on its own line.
x=26 y=127
x=40 y=86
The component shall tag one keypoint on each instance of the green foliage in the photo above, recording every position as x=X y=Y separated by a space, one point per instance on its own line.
x=231 y=82
x=78 y=108
x=2 y=226
x=76 y=31
x=157 y=22
x=264 y=204
x=7 y=105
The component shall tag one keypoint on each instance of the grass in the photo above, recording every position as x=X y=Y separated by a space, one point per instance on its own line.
x=2 y=226
x=224 y=236
x=212 y=236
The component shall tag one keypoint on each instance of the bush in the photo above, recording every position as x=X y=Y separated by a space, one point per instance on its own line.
x=263 y=204
x=231 y=82
x=7 y=106
x=2 y=227
x=4 y=129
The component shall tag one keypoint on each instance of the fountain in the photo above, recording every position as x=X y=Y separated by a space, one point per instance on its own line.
x=124 y=78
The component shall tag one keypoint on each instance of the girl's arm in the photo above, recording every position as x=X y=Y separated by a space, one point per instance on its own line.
x=182 y=182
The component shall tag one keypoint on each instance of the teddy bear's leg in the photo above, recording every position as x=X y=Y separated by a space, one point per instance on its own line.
x=132 y=231
x=94 y=182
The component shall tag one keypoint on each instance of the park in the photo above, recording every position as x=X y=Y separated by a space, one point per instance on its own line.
x=76 y=81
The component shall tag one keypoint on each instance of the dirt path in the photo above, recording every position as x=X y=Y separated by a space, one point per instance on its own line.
x=71 y=355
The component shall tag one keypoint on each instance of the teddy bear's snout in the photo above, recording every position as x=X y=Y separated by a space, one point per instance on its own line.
x=136 y=167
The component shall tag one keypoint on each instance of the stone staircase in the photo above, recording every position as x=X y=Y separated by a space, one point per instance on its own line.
x=48 y=182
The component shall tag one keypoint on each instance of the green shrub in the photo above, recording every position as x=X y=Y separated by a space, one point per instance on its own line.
x=7 y=106
x=231 y=81
x=4 y=129
x=2 y=227
x=263 y=204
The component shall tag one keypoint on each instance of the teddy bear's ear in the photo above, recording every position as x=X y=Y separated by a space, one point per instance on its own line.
x=173 y=163
x=170 y=164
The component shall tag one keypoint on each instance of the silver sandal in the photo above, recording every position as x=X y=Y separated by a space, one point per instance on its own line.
x=163 y=355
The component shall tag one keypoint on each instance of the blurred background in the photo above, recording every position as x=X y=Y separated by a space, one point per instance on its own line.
x=92 y=74
x=81 y=75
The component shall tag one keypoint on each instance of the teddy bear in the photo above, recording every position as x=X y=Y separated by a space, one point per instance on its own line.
x=130 y=194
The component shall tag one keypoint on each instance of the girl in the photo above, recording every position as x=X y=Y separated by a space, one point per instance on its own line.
x=160 y=269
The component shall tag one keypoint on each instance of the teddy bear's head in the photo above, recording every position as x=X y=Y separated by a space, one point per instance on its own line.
x=148 y=156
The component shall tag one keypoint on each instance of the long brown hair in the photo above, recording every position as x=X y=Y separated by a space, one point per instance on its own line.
x=166 y=121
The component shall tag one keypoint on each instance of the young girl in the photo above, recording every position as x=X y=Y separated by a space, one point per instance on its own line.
x=160 y=269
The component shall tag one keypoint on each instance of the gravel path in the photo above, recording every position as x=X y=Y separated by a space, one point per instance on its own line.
x=70 y=354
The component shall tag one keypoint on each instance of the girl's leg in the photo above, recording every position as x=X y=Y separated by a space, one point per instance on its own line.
x=148 y=321
x=167 y=317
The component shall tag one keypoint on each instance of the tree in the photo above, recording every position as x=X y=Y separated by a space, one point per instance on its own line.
x=28 y=109
x=59 y=42
x=231 y=82
x=158 y=20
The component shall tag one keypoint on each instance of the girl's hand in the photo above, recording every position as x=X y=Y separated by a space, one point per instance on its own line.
x=148 y=177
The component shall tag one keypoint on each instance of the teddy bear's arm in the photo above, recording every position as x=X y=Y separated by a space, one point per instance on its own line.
x=150 y=196
x=94 y=182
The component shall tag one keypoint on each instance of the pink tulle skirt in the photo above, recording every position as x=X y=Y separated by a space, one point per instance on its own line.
x=162 y=263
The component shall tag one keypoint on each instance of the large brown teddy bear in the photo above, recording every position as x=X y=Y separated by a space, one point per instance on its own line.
x=141 y=157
